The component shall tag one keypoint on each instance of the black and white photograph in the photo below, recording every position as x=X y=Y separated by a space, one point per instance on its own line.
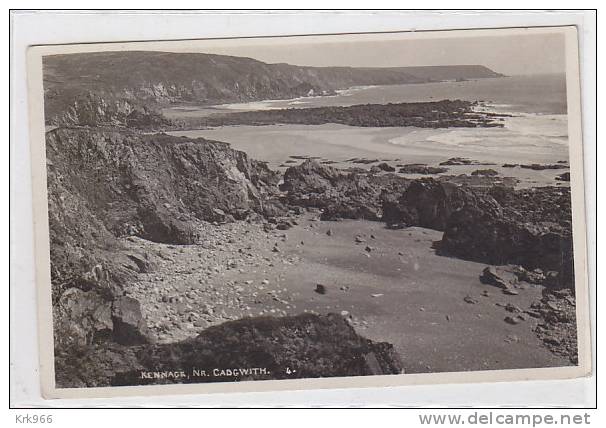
x=280 y=209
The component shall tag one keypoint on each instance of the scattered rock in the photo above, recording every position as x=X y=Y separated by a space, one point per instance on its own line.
x=485 y=172
x=385 y=167
x=491 y=276
x=512 y=338
x=511 y=320
x=510 y=307
x=535 y=276
x=284 y=225
x=533 y=313
x=462 y=161
x=143 y=265
x=320 y=289
x=470 y=300
x=539 y=167
x=552 y=341
x=417 y=168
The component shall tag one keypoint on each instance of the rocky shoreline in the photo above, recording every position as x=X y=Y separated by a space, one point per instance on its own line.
x=123 y=206
x=438 y=114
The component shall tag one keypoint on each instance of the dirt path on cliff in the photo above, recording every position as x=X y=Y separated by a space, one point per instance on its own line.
x=390 y=283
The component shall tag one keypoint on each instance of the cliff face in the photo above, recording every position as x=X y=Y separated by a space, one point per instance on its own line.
x=89 y=109
x=106 y=184
x=160 y=78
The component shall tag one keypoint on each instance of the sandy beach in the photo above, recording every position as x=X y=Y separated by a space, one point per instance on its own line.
x=276 y=145
x=400 y=291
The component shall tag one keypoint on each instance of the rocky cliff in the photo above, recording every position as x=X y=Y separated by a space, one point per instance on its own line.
x=103 y=184
x=158 y=78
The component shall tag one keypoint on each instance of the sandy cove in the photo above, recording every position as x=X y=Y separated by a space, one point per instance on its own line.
x=392 y=286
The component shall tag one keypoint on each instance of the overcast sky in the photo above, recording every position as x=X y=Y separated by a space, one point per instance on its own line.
x=510 y=54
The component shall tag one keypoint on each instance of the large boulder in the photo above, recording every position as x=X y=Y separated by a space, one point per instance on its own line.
x=129 y=327
x=430 y=203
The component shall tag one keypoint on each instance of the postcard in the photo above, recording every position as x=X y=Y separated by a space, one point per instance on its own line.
x=309 y=212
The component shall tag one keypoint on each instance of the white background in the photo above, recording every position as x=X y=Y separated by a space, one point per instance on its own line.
x=45 y=28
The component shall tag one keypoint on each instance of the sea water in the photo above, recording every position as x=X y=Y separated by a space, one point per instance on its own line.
x=535 y=132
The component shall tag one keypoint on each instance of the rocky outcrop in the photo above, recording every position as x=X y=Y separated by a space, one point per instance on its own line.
x=532 y=229
x=303 y=346
x=103 y=184
x=383 y=166
x=430 y=203
x=485 y=172
x=540 y=167
x=157 y=186
x=419 y=168
x=340 y=194
x=437 y=114
x=499 y=225
x=463 y=161
x=495 y=225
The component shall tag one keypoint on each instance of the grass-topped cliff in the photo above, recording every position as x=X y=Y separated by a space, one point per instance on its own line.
x=114 y=84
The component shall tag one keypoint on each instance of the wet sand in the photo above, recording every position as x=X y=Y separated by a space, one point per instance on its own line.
x=276 y=144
